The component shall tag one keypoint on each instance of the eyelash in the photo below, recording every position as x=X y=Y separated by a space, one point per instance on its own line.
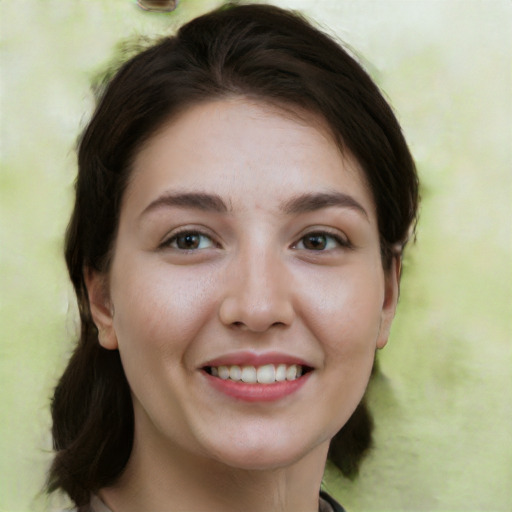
x=339 y=241
x=169 y=242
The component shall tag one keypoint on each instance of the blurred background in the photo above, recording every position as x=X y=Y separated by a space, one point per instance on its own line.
x=443 y=400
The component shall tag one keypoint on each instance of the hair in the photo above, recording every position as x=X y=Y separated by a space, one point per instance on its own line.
x=256 y=51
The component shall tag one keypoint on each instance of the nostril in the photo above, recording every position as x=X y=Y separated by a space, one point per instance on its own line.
x=242 y=325
x=243 y=311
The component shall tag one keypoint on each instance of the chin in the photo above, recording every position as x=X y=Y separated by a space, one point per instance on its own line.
x=266 y=453
x=260 y=462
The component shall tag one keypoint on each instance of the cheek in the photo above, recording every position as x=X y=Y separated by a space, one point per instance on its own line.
x=346 y=322
x=344 y=309
x=158 y=306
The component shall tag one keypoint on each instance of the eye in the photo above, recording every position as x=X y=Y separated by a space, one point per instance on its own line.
x=189 y=241
x=320 y=241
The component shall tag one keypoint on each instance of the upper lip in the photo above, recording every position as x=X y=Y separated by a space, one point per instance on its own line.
x=254 y=359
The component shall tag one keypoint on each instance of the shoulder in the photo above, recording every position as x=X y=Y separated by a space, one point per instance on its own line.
x=331 y=505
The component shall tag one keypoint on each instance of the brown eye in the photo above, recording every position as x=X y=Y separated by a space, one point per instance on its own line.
x=315 y=242
x=321 y=242
x=189 y=241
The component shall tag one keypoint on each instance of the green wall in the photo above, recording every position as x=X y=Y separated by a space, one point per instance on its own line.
x=443 y=403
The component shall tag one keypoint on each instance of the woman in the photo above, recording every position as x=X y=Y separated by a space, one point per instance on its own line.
x=243 y=199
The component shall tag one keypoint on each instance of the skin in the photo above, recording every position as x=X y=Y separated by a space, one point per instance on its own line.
x=256 y=282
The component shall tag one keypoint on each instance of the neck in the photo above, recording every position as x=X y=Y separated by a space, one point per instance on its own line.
x=156 y=479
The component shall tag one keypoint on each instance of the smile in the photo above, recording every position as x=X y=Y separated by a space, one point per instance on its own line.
x=265 y=374
x=253 y=377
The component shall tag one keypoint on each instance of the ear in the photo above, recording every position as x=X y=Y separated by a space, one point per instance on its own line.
x=391 y=293
x=101 y=307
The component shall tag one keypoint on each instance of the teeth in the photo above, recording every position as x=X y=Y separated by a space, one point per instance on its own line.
x=223 y=372
x=266 y=374
x=281 y=373
x=235 y=372
x=248 y=374
x=291 y=372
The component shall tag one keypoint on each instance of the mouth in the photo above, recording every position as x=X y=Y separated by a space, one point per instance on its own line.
x=264 y=374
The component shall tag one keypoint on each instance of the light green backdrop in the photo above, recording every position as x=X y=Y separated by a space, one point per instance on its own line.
x=444 y=403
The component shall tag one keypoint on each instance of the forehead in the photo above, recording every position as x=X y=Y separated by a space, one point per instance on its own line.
x=245 y=150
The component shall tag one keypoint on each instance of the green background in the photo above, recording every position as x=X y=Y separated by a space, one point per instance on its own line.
x=443 y=403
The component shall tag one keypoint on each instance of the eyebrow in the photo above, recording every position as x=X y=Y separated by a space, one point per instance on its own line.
x=302 y=203
x=316 y=201
x=196 y=200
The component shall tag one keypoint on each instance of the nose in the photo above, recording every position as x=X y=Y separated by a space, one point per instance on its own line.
x=258 y=293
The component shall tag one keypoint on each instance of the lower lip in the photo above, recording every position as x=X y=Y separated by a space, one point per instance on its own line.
x=257 y=392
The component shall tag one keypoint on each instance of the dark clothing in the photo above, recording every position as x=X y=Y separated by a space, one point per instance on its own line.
x=335 y=506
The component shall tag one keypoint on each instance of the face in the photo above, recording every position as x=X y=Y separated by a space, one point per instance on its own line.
x=246 y=293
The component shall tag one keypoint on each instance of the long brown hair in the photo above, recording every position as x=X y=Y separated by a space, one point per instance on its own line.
x=252 y=50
